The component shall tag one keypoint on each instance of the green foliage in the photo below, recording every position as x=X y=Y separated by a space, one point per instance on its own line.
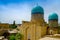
x=11 y=37
x=18 y=36
x=13 y=26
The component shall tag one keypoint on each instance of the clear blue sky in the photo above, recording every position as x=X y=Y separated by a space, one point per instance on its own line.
x=20 y=10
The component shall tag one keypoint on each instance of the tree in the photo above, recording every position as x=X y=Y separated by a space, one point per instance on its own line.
x=19 y=36
x=13 y=26
x=11 y=37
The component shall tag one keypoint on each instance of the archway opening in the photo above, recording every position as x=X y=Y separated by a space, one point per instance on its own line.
x=5 y=34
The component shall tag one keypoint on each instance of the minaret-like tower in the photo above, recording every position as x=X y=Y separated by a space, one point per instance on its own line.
x=37 y=13
x=53 y=20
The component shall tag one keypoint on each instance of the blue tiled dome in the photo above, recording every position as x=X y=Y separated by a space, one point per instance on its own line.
x=53 y=16
x=38 y=9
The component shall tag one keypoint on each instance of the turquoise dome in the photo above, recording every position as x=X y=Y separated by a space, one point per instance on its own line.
x=53 y=16
x=38 y=9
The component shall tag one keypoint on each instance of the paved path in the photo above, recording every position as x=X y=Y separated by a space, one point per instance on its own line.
x=49 y=38
x=5 y=39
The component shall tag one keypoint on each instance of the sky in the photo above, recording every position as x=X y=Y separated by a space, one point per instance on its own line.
x=20 y=10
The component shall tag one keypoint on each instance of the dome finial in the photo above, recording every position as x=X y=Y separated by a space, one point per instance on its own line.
x=37 y=4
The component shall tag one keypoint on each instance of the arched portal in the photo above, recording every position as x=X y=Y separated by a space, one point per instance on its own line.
x=5 y=34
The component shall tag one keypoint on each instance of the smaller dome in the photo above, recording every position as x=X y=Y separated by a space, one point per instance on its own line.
x=37 y=9
x=53 y=16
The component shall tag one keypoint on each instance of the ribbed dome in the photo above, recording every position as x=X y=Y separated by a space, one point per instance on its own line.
x=38 y=9
x=53 y=16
